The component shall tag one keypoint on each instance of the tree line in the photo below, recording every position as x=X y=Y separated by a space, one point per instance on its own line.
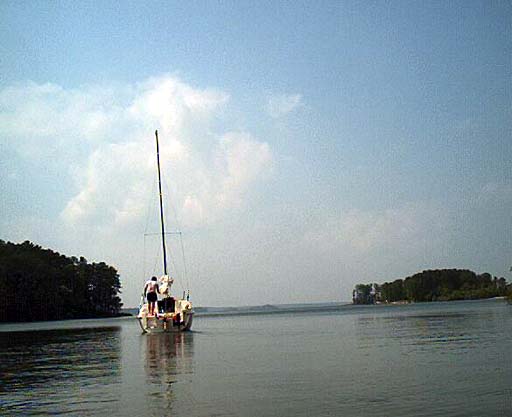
x=434 y=285
x=40 y=284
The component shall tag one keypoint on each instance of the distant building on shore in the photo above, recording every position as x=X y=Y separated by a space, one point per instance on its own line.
x=366 y=294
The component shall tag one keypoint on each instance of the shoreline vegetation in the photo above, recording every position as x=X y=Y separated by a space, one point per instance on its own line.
x=39 y=284
x=434 y=285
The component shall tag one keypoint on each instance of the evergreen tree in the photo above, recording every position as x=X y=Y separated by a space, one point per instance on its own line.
x=438 y=285
x=40 y=284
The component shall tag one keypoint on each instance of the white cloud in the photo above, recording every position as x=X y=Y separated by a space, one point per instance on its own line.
x=115 y=176
x=413 y=235
x=280 y=105
x=305 y=252
x=498 y=191
x=173 y=105
x=104 y=138
x=33 y=111
x=113 y=127
x=243 y=160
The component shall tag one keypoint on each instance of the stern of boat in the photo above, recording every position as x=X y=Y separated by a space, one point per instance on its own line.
x=176 y=316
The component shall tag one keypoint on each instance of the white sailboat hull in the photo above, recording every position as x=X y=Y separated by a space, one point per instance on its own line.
x=156 y=325
x=179 y=320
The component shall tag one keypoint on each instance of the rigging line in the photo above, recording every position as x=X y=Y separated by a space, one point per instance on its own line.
x=152 y=260
x=147 y=269
x=150 y=208
x=178 y=273
x=173 y=261
x=162 y=225
x=147 y=264
x=156 y=260
x=144 y=260
x=166 y=217
x=184 y=261
x=170 y=206
x=208 y=280
x=150 y=204
x=170 y=202
x=174 y=210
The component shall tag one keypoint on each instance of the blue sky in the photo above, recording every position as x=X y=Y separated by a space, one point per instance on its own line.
x=308 y=146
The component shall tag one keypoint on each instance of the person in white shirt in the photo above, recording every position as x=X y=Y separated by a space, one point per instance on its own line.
x=151 y=294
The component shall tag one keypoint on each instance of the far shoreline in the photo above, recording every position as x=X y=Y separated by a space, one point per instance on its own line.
x=260 y=310
x=113 y=316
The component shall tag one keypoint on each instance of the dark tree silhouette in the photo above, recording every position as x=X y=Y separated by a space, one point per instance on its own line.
x=40 y=284
x=441 y=285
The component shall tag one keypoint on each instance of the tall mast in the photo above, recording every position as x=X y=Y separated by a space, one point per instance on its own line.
x=161 y=203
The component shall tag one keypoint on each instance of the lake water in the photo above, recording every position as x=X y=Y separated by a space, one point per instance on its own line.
x=438 y=359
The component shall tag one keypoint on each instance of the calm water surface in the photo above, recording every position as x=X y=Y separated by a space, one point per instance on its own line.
x=439 y=359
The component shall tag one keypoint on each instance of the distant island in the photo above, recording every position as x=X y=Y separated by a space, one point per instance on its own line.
x=434 y=285
x=40 y=284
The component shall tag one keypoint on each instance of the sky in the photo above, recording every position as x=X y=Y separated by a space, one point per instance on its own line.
x=305 y=146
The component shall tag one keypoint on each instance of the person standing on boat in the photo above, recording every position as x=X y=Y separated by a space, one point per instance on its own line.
x=151 y=294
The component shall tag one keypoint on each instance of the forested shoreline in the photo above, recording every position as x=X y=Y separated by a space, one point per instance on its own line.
x=40 y=284
x=434 y=285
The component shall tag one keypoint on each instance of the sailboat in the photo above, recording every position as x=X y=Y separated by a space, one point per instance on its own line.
x=170 y=314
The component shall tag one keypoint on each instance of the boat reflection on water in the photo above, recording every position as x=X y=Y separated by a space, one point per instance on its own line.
x=168 y=360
